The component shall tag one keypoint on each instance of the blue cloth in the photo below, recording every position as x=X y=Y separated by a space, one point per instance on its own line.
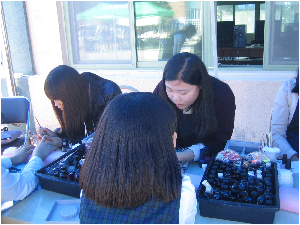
x=152 y=211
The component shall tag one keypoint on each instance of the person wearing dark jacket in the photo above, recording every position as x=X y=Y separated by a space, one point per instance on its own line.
x=205 y=106
x=78 y=101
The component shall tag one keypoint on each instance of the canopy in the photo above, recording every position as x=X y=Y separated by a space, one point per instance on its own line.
x=105 y=11
x=143 y=9
x=109 y=11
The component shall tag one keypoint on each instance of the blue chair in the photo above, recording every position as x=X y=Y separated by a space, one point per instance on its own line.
x=16 y=110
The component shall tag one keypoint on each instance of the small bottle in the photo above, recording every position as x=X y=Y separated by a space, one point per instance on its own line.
x=260 y=200
x=234 y=190
x=56 y=172
x=226 y=181
x=284 y=158
x=227 y=172
x=251 y=188
x=242 y=194
x=217 y=196
x=211 y=182
x=254 y=197
x=71 y=166
x=288 y=164
x=268 y=203
x=218 y=182
x=71 y=176
x=224 y=192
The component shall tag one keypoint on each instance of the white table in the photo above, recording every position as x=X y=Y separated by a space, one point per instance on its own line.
x=35 y=208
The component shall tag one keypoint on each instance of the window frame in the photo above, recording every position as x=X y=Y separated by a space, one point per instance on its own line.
x=207 y=44
x=99 y=66
x=269 y=13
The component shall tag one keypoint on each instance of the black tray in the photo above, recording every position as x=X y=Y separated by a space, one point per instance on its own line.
x=236 y=211
x=55 y=184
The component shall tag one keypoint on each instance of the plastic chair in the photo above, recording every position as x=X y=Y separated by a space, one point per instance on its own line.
x=16 y=110
x=127 y=89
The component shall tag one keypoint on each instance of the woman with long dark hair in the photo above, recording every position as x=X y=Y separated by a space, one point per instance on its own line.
x=78 y=101
x=285 y=119
x=205 y=106
x=131 y=173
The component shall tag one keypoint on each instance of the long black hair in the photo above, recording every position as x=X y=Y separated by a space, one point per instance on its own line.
x=64 y=83
x=190 y=69
x=132 y=157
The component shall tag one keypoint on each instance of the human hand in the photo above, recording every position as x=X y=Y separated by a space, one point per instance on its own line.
x=21 y=154
x=185 y=156
x=43 y=149
x=42 y=131
x=56 y=141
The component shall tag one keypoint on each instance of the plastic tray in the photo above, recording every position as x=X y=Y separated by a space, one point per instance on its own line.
x=242 y=146
x=54 y=216
x=55 y=184
x=236 y=211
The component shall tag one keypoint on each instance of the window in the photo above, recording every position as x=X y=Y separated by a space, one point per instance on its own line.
x=100 y=32
x=245 y=15
x=166 y=28
x=129 y=34
x=262 y=11
x=124 y=33
x=224 y=13
x=283 y=38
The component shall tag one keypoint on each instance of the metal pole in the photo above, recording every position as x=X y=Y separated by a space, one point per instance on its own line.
x=13 y=90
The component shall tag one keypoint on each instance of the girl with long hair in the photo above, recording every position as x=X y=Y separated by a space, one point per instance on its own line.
x=78 y=101
x=131 y=173
x=205 y=106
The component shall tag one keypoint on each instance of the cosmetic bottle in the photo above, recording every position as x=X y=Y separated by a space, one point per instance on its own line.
x=260 y=200
x=254 y=197
x=225 y=192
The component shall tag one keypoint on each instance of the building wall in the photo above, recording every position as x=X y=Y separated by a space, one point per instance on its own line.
x=44 y=34
x=254 y=90
x=19 y=42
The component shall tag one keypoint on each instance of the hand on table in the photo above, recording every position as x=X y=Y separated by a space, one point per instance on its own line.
x=43 y=149
x=56 y=141
x=21 y=154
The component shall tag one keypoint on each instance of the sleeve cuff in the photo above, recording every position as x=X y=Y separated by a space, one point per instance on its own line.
x=196 y=149
x=6 y=162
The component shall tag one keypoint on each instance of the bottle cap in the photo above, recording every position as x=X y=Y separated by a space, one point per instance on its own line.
x=69 y=212
x=284 y=158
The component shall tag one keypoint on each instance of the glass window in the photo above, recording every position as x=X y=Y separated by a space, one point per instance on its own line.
x=164 y=28
x=224 y=13
x=100 y=32
x=262 y=11
x=245 y=15
x=284 y=44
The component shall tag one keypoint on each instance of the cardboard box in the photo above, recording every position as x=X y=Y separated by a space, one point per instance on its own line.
x=56 y=184
x=237 y=211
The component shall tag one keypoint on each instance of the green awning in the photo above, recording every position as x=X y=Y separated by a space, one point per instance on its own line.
x=109 y=11
x=105 y=11
x=143 y=9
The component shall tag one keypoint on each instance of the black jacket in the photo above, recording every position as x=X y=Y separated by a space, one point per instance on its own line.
x=224 y=106
x=101 y=92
